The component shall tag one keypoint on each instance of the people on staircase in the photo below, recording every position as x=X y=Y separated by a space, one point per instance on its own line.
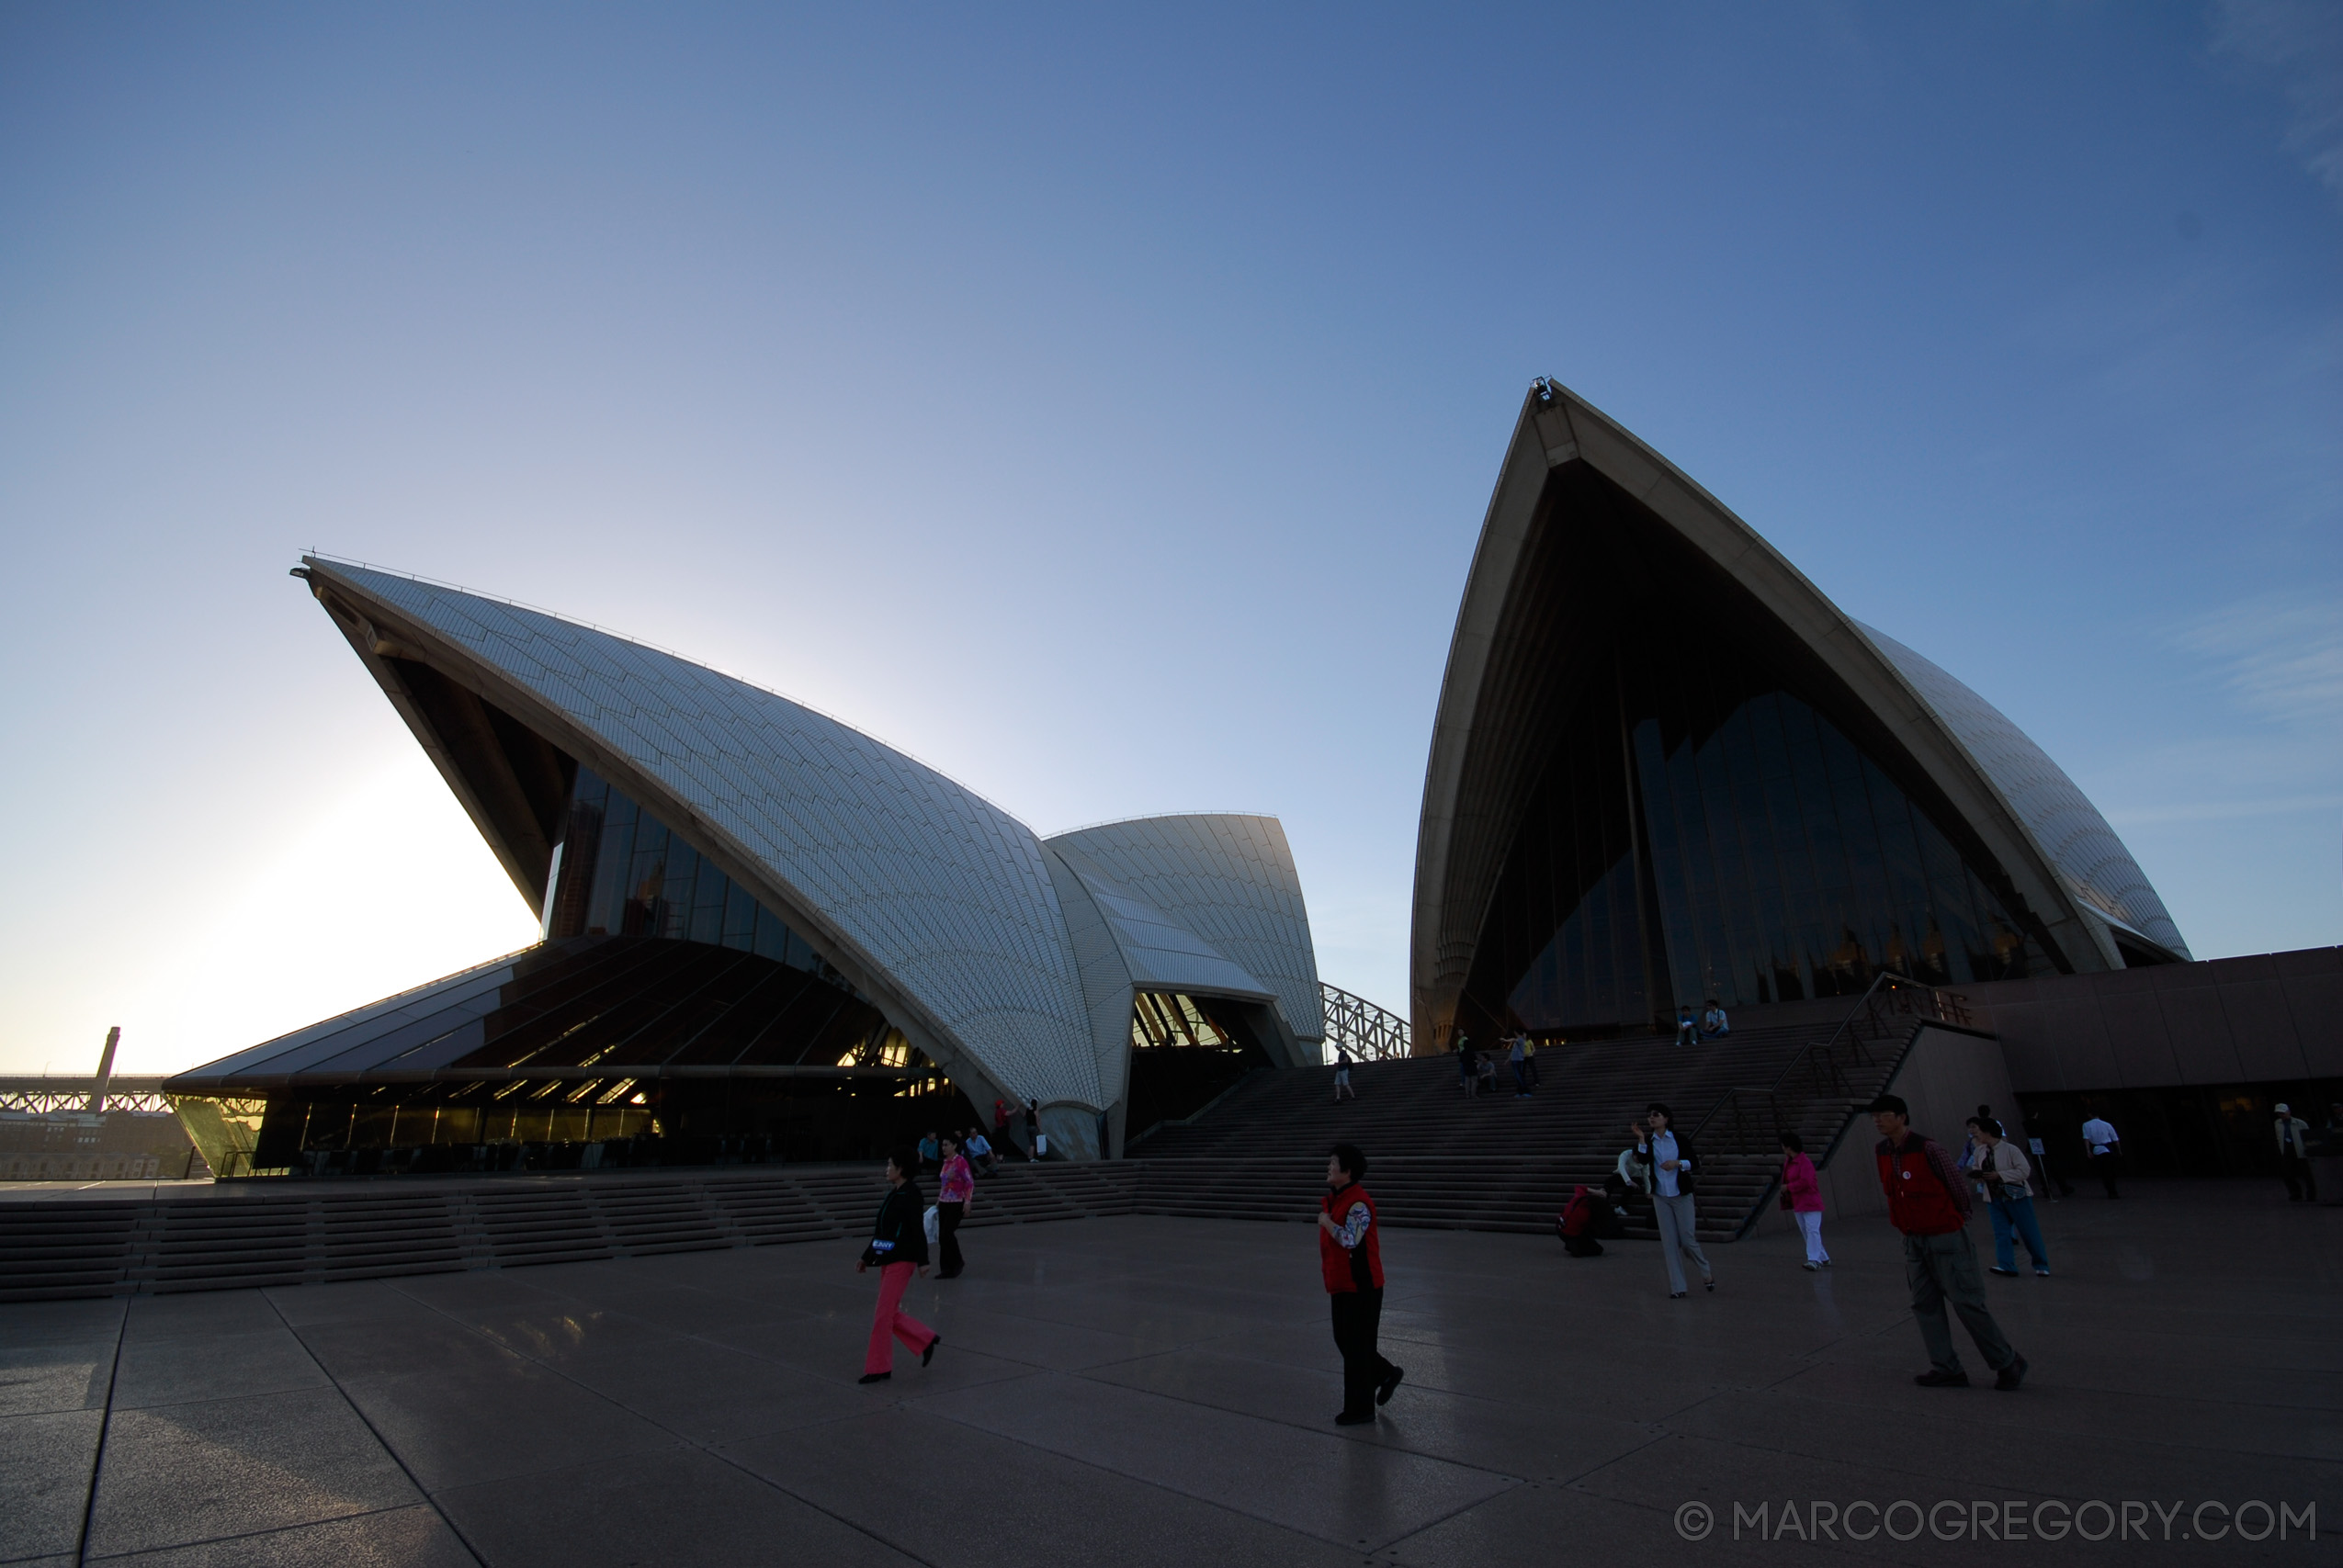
x=1349 y=1256
x=1714 y=1024
x=1487 y=1072
x=1468 y=1067
x=1688 y=1031
x=1529 y=1062
x=1927 y=1199
x=1629 y=1181
x=979 y=1150
x=1342 y=1089
x=1672 y=1168
x=1802 y=1195
x=1516 y=1055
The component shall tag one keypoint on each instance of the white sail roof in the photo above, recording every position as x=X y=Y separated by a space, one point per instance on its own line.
x=937 y=894
x=2077 y=839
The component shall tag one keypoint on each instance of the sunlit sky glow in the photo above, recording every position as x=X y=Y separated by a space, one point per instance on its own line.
x=1101 y=405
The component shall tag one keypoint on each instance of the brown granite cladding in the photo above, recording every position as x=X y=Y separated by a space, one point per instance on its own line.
x=2273 y=1016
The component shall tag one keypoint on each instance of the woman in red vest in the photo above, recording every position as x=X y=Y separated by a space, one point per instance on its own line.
x=1349 y=1256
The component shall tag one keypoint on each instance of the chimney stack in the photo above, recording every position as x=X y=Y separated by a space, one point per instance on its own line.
x=106 y=1068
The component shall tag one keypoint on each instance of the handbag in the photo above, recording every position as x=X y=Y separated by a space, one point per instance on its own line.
x=933 y=1224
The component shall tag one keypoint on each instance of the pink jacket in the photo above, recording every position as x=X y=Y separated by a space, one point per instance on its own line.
x=957 y=1185
x=1798 y=1181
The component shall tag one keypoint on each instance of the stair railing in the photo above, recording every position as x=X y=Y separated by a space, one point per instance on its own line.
x=1886 y=1002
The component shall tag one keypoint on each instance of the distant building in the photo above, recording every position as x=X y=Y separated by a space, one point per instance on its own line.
x=1666 y=768
x=765 y=935
x=93 y=1146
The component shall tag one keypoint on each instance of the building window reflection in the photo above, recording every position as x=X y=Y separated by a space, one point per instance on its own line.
x=618 y=870
x=1705 y=828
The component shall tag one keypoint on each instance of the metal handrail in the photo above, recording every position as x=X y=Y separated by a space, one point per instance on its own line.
x=1818 y=1055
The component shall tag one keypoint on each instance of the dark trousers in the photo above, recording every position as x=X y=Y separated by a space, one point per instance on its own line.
x=2104 y=1167
x=1941 y=1269
x=1358 y=1315
x=947 y=1220
x=2300 y=1183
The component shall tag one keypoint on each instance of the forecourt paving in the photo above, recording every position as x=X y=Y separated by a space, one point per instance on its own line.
x=1155 y=1391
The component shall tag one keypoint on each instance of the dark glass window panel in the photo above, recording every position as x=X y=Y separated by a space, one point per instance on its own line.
x=605 y=913
x=1783 y=860
x=772 y=937
x=708 y=898
x=739 y=917
x=642 y=879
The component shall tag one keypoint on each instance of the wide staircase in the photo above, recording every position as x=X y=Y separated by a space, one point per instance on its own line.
x=139 y=1240
x=1441 y=1157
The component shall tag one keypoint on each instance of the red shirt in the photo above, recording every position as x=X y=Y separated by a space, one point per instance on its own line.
x=1356 y=1268
x=1927 y=1195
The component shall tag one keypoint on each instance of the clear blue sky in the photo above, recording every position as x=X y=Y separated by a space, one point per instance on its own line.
x=1102 y=406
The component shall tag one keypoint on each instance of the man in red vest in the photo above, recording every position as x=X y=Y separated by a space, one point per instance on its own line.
x=1350 y=1255
x=1927 y=1199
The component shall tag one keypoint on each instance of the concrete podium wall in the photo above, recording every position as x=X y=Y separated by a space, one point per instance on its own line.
x=2272 y=1017
x=1946 y=1076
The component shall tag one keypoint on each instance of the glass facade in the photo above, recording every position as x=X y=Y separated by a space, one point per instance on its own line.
x=1185 y=1052
x=618 y=871
x=667 y=1018
x=1715 y=817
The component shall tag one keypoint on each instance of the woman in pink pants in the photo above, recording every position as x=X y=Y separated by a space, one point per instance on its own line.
x=898 y=1246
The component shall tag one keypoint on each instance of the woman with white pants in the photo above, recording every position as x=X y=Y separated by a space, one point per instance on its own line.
x=1668 y=1161
x=1802 y=1195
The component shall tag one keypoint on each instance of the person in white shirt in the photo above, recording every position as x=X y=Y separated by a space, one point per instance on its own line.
x=1628 y=1180
x=2005 y=1179
x=1714 y=1022
x=2293 y=1157
x=2106 y=1148
x=1669 y=1165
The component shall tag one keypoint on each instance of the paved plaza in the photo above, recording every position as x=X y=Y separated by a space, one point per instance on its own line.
x=1154 y=1391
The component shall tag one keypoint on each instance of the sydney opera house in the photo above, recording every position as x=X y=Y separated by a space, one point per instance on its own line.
x=1664 y=770
x=765 y=935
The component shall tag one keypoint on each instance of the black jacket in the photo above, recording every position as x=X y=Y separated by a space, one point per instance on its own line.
x=1689 y=1166
x=901 y=1220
